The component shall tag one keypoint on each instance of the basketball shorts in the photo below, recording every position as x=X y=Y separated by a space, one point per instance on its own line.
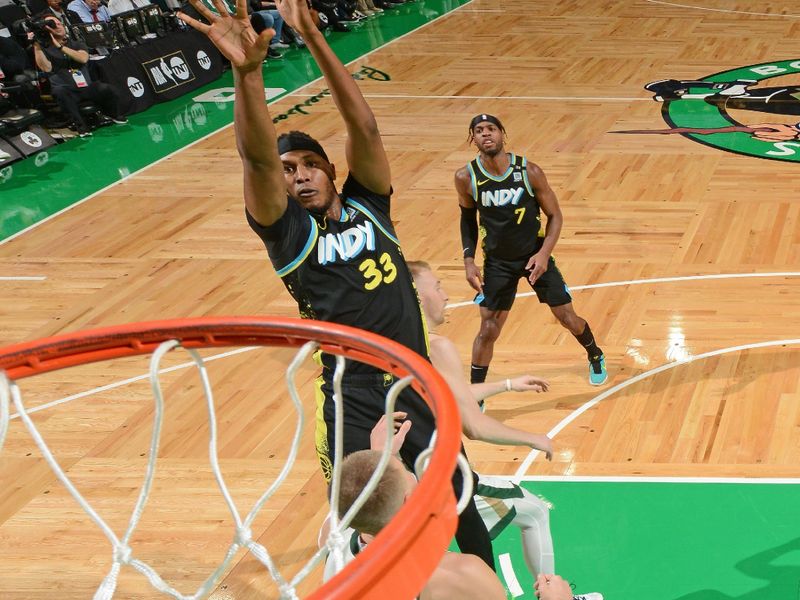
x=364 y=401
x=502 y=503
x=364 y=405
x=500 y=279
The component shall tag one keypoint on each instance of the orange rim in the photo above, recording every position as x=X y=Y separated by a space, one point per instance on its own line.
x=403 y=556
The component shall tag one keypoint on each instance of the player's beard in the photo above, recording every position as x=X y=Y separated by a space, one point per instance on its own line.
x=492 y=152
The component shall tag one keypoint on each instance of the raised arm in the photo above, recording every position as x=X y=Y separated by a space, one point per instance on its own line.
x=469 y=228
x=549 y=205
x=366 y=157
x=477 y=425
x=264 y=184
x=523 y=383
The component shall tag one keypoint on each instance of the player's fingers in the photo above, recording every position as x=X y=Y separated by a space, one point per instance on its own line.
x=241 y=9
x=401 y=433
x=206 y=12
x=264 y=38
x=194 y=23
x=222 y=9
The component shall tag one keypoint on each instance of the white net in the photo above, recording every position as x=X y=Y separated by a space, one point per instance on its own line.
x=123 y=553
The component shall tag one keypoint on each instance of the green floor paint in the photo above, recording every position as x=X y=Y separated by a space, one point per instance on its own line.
x=33 y=189
x=671 y=541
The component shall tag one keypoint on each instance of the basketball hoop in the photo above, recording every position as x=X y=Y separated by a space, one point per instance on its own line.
x=403 y=555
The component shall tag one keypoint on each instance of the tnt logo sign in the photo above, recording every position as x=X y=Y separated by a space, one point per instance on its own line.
x=135 y=87
x=168 y=72
x=180 y=68
x=203 y=60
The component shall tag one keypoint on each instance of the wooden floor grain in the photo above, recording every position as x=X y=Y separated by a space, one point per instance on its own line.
x=561 y=75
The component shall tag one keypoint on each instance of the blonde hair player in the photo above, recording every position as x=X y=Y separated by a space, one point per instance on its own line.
x=456 y=577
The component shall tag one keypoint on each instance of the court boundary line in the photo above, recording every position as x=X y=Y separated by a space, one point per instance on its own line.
x=593 y=286
x=445 y=97
x=724 y=10
x=24 y=278
x=509 y=575
x=220 y=129
x=241 y=350
x=526 y=463
x=653 y=479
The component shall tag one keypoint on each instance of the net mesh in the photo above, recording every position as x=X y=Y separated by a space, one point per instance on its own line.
x=122 y=552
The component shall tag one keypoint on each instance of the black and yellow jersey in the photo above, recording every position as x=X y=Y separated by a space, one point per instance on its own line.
x=349 y=271
x=511 y=226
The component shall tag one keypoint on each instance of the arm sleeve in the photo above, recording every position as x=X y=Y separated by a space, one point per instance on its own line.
x=469 y=230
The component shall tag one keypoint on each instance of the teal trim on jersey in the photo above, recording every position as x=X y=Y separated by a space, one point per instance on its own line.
x=363 y=209
x=525 y=177
x=312 y=239
x=669 y=540
x=504 y=175
x=36 y=188
x=473 y=181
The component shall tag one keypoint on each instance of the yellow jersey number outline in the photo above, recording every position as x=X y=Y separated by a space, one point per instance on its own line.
x=521 y=212
x=375 y=276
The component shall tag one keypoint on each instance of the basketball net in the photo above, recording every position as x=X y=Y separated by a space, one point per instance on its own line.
x=336 y=542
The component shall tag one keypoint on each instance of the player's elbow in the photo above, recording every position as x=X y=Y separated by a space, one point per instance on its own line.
x=472 y=431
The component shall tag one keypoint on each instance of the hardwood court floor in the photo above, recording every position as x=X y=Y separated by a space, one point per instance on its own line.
x=561 y=75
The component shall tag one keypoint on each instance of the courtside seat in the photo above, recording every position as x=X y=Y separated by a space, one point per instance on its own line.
x=19 y=119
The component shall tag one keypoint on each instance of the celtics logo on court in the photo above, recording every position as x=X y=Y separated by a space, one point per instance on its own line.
x=752 y=110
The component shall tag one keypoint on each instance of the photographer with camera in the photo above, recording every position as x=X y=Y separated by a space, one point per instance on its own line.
x=66 y=64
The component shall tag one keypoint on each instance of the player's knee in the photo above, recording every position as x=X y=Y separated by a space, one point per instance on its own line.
x=490 y=330
x=567 y=317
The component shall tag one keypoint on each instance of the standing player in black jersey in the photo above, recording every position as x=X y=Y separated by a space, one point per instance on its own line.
x=508 y=191
x=337 y=255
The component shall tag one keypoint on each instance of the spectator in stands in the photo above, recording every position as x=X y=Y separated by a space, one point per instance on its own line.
x=16 y=82
x=116 y=7
x=264 y=16
x=89 y=11
x=65 y=63
x=56 y=8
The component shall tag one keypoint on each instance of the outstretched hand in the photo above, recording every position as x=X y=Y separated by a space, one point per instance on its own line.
x=377 y=438
x=296 y=15
x=529 y=383
x=544 y=444
x=232 y=34
x=552 y=587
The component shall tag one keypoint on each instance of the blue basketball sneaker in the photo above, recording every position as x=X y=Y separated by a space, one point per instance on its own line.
x=597 y=370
